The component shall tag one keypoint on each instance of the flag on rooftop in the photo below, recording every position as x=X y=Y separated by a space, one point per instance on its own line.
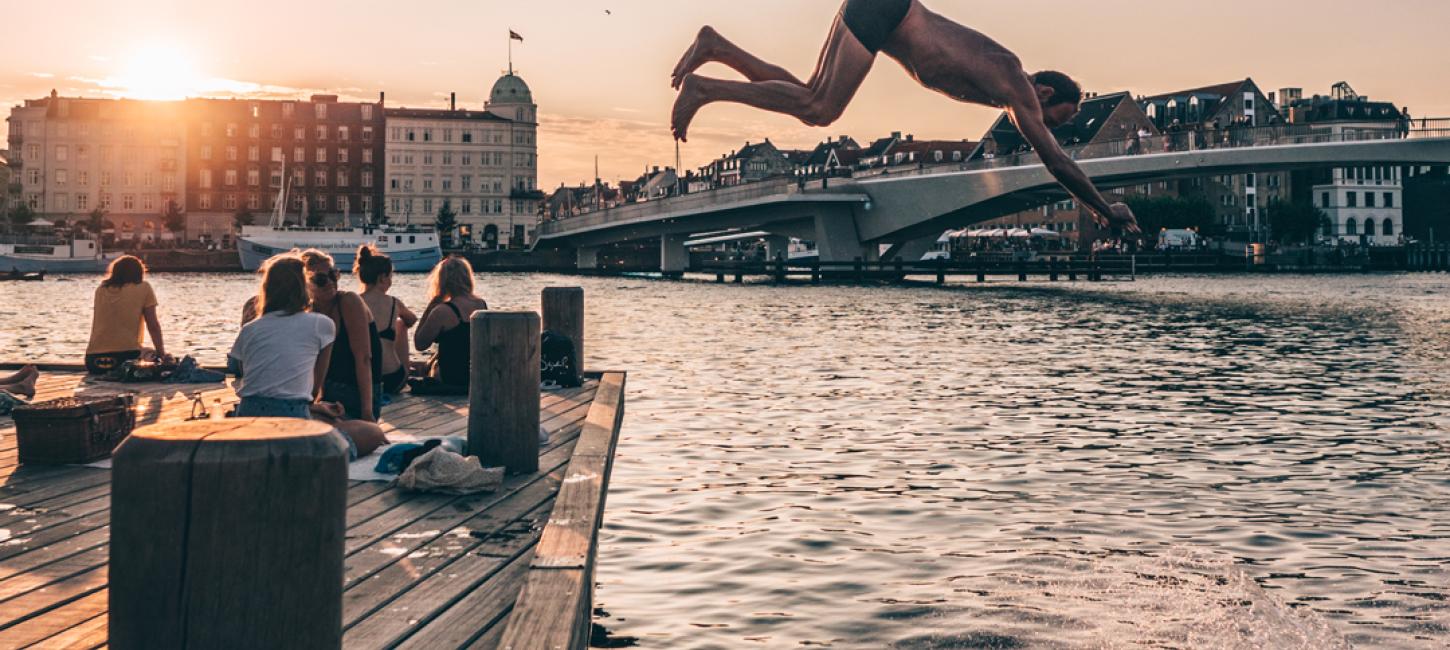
x=515 y=36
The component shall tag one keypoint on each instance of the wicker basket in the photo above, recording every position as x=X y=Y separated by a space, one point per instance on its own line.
x=71 y=431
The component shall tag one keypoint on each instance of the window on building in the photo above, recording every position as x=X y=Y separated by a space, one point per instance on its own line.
x=448 y=157
x=1351 y=227
x=319 y=110
x=320 y=178
x=128 y=202
x=367 y=134
x=428 y=206
x=254 y=177
x=342 y=155
x=467 y=137
x=275 y=178
x=1369 y=199
x=447 y=185
x=253 y=153
x=1389 y=227
x=254 y=201
x=367 y=178
x=83 y=202
x=299 y=133
x=1353 y=199
x=1324 y=199
x=341 y=178
x=343 y=134
x=1369 y=227
x=427 y=184
x=61 y=202
x=367 y=111
x=205 y=152
x=321 y=133
x=276 y=154
x=231 y=178
x=1389 y=200
x=367 y=205
x=276 y=131
x=1251 y=180
x=427 y=158
x=148 y=202
x=231 y=153
x=367 y=156
x=467 y=159
x=61 y=177
x=321 y=155
x=229 y=202
x=203 y=179
x=287 y=108
x=255 y=130
x=427 y=135
x=106 y=200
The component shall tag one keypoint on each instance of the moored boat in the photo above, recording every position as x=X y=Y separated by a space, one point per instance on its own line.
x=31 y=254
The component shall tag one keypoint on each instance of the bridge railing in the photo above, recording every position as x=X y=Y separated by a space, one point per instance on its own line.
x=656 y=207
x=1231 y=137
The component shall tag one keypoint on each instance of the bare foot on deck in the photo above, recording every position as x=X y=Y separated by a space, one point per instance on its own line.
x=702 y=51
x=20 y=375
x=22 y=388
x=687 y=104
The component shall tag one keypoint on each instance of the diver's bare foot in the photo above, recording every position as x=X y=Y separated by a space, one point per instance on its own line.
x=702 y=51
x=687 y=103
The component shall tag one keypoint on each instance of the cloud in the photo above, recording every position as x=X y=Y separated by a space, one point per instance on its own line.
x=626 y=110
x=97 y=57
x=42 y=75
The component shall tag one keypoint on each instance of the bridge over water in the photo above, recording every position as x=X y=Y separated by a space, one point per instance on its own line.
x=849 y=217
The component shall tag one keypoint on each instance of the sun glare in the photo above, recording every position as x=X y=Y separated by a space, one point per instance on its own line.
x=158 y=72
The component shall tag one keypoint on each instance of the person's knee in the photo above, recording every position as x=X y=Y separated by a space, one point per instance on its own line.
x=822 y=112
x=366 y=435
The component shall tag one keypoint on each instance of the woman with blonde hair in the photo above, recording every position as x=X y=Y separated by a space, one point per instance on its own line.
x=124 y=302
x=451 y=302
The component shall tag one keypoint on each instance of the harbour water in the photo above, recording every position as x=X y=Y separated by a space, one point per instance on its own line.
x=1235 y=462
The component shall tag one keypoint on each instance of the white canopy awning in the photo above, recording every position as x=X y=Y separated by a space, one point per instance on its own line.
x=1044 y=232
x=1019 y=233
x=41 y=223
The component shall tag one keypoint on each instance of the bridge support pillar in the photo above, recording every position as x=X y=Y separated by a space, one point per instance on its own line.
x=674 y=257
x=836 y=237
x=586 y=258
x=910 y=251
x=777 y=248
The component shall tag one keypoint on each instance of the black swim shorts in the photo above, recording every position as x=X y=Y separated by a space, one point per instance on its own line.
x=873 y=21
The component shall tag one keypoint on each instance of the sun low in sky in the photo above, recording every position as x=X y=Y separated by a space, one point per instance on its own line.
x=164 y=72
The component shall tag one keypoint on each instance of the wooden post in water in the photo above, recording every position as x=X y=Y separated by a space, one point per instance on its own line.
x=981 y=270
x=228 y=533
x=563 y=311
x=1071 y=270
x=503 y=391
x=1021 y=271
x=941 y=272
x=1052 y=269
x=816 y=272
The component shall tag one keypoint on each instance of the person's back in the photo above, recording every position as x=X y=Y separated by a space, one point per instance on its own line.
x=124 y=303
x=455 y=341
x=278 y=353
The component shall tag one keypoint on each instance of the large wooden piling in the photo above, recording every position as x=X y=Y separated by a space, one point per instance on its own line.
x=503 y=391
x=563 y=312
x=228 y=534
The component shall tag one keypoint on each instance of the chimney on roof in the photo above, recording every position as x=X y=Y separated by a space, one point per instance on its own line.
x=895 y=135
x=381 y=96
x=452 y=101
x=910 y=138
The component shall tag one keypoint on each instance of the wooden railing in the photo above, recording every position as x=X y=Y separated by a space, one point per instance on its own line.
x=554 y=609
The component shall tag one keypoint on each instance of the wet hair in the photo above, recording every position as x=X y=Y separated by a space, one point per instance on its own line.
x=452 y=278
x=284 y=285
x=126 y=269
x=371 y=265
x=1064 y=89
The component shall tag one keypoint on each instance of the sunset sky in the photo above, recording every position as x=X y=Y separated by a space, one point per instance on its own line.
x=601 y=79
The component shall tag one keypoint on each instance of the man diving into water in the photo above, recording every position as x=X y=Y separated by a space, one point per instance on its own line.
x=942 y=55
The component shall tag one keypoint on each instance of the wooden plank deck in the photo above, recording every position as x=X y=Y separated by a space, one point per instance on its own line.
x=421 y=570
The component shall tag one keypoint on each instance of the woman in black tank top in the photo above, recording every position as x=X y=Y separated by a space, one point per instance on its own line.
x=446 y=321
x=356 y=363
x=392 y=318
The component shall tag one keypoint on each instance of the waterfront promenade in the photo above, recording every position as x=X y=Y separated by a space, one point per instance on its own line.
x=422 y=570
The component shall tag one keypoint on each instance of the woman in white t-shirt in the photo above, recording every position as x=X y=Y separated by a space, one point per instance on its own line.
x=282 y=354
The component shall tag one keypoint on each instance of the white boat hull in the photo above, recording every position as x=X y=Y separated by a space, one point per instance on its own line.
x=411 y=252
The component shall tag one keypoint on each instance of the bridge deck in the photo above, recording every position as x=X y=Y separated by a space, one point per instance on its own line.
x=421 y=570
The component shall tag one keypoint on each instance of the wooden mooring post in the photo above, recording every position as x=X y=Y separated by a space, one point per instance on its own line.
x=503 y=390
x=563 y=312
x=228 y=534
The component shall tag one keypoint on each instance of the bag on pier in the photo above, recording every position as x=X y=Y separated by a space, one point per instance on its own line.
x=557 y=366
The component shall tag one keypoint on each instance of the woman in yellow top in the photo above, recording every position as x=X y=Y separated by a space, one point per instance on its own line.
x=123 y=302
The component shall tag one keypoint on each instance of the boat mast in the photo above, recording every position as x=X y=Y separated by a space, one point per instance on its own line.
x=279 y=211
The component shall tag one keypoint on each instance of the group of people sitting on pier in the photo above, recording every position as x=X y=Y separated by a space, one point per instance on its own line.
x=307 y=348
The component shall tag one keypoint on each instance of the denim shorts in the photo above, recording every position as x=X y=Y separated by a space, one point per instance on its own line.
x=269 y=407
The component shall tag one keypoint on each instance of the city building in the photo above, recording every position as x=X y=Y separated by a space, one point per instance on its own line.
x=1365 y=203
x=925 y=153
x=753 y=162
x=72 y=156
x=4 y=182
x=237 y=149
x=482 y=164
x=830 y=156
x=1213 y=113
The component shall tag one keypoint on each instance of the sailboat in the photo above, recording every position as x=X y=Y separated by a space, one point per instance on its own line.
x=412 y=248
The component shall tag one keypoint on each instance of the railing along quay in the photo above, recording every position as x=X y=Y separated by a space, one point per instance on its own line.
x=1053 y=270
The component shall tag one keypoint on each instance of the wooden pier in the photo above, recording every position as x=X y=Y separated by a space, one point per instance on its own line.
x=513 y=568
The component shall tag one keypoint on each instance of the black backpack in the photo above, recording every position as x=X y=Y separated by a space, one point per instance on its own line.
x=557 y=366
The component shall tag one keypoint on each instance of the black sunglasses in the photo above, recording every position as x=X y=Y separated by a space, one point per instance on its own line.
x=324 y=279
